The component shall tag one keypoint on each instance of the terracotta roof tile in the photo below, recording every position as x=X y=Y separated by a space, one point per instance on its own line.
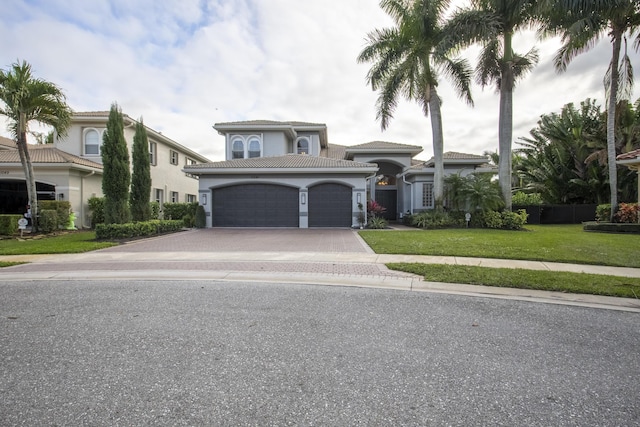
x=47 y=154
x=384 y=145
x=453 y=155
x=6 y=143
x=289 y=161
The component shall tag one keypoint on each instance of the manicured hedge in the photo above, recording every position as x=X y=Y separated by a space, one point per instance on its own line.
x=137 y=229
x=9 y=224
x=48 y=220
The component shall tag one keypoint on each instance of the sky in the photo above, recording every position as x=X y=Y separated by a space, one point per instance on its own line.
x=184 y=65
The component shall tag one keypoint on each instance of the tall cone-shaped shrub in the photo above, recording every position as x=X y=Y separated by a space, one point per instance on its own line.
x=141 y=177
x=116 y=176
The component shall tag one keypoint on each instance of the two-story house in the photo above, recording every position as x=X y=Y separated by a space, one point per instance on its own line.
x=71 y=168
x=287 y=174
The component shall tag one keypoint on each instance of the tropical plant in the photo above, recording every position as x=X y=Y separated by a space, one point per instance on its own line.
x=375 y=209
x=493 y=23
x=474 y=192
x=377 y=222
x=116 y=174
x=141 y=176
x=582 y=24
x=26 y=99
x=407 y=61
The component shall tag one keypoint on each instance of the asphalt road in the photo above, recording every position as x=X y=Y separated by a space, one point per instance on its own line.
x=220 y=353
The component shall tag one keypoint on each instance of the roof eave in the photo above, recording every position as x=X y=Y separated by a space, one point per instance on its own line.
x=274 y=171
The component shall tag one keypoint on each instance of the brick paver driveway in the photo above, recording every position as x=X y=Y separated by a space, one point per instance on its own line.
x=251 y=240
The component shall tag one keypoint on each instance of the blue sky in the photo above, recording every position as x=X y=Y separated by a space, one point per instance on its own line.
x=184 y=65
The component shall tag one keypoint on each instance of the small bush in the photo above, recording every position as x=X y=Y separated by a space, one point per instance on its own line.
x=201 y=217
x=62 y=208
x=155 y=210
x=96 y=206
x=375 y=209
x=492 y=219
x=9 y=224
x=48 y=220
x=514 y=220
x=377 y=222
x=184 y=211
x=603 y=212
x=627 y=213
x=137 y=229
x=436 y=219
x=525 y=199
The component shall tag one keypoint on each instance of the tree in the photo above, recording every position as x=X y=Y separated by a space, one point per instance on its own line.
x=407 y=61
x=474 y=192
x=116 y=174
x=26 y=99
x=581 y=24
x=493 y=23
x=141 y=177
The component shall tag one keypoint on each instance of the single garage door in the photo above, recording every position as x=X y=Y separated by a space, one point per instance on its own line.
x=255 y=205
x=330 y=205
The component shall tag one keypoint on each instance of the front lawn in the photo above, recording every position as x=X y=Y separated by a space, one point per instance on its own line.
x=554 y=243
x=67 y=243
x=579 y=283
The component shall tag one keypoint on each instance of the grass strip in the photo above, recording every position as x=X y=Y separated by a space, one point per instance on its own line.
x=9 y=264
x=578 y=283
x=556 y=243
x=68 y=243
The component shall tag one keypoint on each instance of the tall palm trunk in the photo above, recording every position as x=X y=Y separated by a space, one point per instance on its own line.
x=505 y=122
x=438 y=147
x=25 y=159
x=611 y=122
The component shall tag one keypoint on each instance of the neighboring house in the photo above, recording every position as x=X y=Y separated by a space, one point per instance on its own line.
x=632 y=161
x=286 y=174
x=71 y=169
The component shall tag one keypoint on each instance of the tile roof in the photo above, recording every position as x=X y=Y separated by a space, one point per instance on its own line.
x=6 y=143
x=268 y=123
x=384 y=145
x=289 y=161
x=47 y=154
x=453 y=155
x=630 y=155
x=334 y=151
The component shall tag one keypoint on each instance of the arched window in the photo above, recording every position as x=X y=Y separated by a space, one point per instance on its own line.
x=303 y=146
x=237 y=148
x=254 y=147
x=92 y=143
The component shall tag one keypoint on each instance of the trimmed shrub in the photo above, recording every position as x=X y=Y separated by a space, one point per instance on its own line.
x=184 y=211
x=62 y=208
x=201 y=217
x=137 y=229
x=492 y=219
x=9 y=224
x=514 y=220
x=48 y=220
x=524 y=199
x=96 y=206
x=437 y=219
x=155 y=210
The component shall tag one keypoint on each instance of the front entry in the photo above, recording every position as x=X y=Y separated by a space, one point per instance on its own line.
x=388 y=197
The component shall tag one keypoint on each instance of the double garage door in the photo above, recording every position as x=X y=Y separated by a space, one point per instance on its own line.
x=270 y=205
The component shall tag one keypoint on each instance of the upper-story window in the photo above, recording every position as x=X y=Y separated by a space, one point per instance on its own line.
x=237 y=148
x=246 y=147
x=153 y=153
x=92 y=142
x=254 y=147
x=302 y=146
x=174 y=158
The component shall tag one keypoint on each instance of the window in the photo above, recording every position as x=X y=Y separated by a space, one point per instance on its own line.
x=153 y=153
x=190 y=162
x=237 y=148
x=254 y=147
x=190 y=198
x=302 y=146
x=175 y=197
x=159 y=196
x=427 y=195
x=246 y=147
x=92 y=142
x=174 y=157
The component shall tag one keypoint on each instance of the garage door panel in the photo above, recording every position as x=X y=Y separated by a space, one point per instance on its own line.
x=330 y=205
x=255 y=205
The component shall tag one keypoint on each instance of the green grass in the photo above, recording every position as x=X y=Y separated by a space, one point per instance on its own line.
x=556 y=243
x=76 y=242
x=580 y=283
x=9 y=264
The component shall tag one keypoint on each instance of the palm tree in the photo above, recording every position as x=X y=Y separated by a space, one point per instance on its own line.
x=28 y=99
x=581 y=24
x=493 y=24
x=407 y=62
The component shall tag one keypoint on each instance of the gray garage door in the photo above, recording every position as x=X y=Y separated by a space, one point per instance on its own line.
x=255 y=205
x=330 y=205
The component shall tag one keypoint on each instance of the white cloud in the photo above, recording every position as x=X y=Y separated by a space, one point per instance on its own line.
x=184 y=65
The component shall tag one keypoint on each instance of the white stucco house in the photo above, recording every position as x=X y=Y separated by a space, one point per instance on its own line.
x=287 y=174
x=71 y=168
